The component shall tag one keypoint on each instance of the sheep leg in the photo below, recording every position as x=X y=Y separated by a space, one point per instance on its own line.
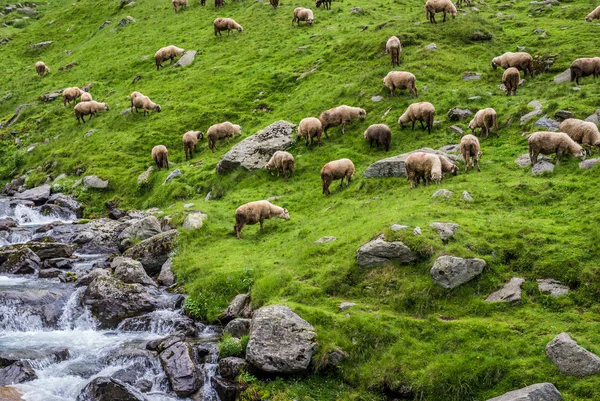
x=343 y=128
x=477 y=161
x=466 y=157
x=444 y=16
x=413 y=125
x=558 y=155
x=261 y=224
x=422 y=126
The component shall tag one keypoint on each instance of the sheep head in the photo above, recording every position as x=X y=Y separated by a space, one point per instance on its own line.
x=454 y=170
x=403 y=120
x=157 y=108
x=199 y=135
x=580 y=154
x=362 y=114
x=284 y=215
x=495 y=63
x=437 y=177
x=318 y=3
x=589 y=18
x=479 y=155
x=237 y=129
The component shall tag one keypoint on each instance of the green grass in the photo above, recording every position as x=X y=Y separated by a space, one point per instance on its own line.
x=404 y=332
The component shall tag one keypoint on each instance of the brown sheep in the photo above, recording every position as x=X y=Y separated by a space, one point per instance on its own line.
x=221 y=131
x=71 y=94
x=584 y=67
x=469 y=147
x=179 y=3
x=401 y=80
x=553 y=142
x=326 y=4
x=335 y=170
x=448 y=166
x=422 y=111
x=421 y=165
x=88 y=108
x=593 y=15
x=85 y=97
x=190 y=140
x=511 y=79
x=309 y=128
x=520 y=60
x=394 y=48
x=274 y=4
x=257 y=212
x=139 y=101
x=283 y=161
x=437 y=6
x=167 y=53
x=486 y=120
x=340 y=115
x=380 y=134
x=303 y=14
x=218 y=3
x=584 y=133
x=41 y=68
x=226 y=24
x=160 y=155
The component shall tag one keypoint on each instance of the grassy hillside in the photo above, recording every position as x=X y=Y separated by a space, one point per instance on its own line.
x=405 y=332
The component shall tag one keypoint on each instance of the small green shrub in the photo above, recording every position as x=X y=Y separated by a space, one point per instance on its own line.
x=229 y=346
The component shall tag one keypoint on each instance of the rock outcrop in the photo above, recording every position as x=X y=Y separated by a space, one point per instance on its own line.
x=451 y=271
x=570 y=358
x=379 y=251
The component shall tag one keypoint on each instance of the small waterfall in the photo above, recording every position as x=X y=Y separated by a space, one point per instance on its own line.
x=26 y=216
x=210 y=369
x=13 y=317
x=76 y=316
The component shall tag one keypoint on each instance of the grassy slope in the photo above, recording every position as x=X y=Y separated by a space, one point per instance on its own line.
x=404 y=331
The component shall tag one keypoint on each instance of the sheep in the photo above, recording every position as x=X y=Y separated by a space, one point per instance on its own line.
x=469 y=147
x=86 y=97
x=179 y=4
x=283 y=161
x=221 y=131
x=427 y=166
x=190 y=140
x=335 y=170
x=401 y=80
x=436 y=6
x=257 y=212
x=160 y=155
x=303 y=14
x=511 y=79
x=584 y=67
x=583 y=132
x=139 y=101
x=309 y=128
x=218 y=3
x=380 y=134
x=340 y=115
x=591 y=16
x=41 y=68
x=167 y=53
x=274 y=4
x=520 y=60
x=394 y=48
x=326 y=4
x=546 y=143
x=486 y=120
x=88 y=108
x=228 y=24
x=422 y=111
x=71 y=94
x=448 y=166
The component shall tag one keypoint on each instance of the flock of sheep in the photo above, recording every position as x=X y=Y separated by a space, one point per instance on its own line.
x=574 y=134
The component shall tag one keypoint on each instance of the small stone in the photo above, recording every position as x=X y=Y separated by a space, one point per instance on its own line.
x=563 y=114
x=194 y=221
x=90 y=132
x=105 y=24
x=456 y=129
x=594 y=118
x=524 y=160
x=126 y=111
x=187 y=58
x=521 y=48
x=554 y=287
x=475 y=98
x=208 y=196
x=376 y=98
x=542 y=166
x=93 y=181
x=444 y=193
x=538 y=31
x=451 y=271
x=445 y=230
x=535 y=392
x=467 y=196
x=536 y=104
x=144 y=178
x=41 y=44
x=356 y=10
x=324 y=240
x=530 y=115
x=188 y=205
x=470 y=76
x=173 y=174
x=511 y=292
x=398 y=227
x=475 y=9
x=431 y=46
x=547 y=124
x=565 y=76
x=417 y=231
x=576 y=88
x=452 y=148
x=588 y=164
x=456 y=114
x=346 y=305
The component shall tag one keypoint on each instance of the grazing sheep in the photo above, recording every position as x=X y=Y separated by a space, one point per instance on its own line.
x=309 y=128
x=167 y=53
x=257 y=212
x=584 y=133
x=553 y=142
x=469 y=147
x=511 y=79
x=221 y=131
x=86 y=97
x=340 y=115
x=226 y=24
x=401 y=80
x=139 y=101
x=71 y=94
x=422 y=111
x=335 y=170
x=179 y=3
x=591 y=16
x=41 y=68
x=88 y=108
x=326 y=4
x=219 y=3
x=274 y=4
x=283 y=161
x=486 y=120
x=438 y=6
x=160 y=155
x=521 y=61
x=303 y=14
x=190 y=140
x=394 y=48
x=448 y=166
x=584 y=67
x=421 y=165
x=380 y=134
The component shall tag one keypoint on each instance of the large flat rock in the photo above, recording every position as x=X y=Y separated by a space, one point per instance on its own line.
x=535 y=392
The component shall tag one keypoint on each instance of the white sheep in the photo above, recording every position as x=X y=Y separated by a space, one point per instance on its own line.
x=486 y=120
x=340 y=115
x=422 y=112
x=41 y=68
x=160 y=155
x=179 y=4
x=546 y=143
x=221 y=131
x=167 y=53
x=309 y=128
x=190 y=140
x=437 y=6
x=469 y=148
x=584 y=67
x=139 y=101
x=257 y=212
x=380 y=134
x=226 y=24
x=401 y=80
x=88 y=108
x=71 y=94
x=422 y=165
x=593 y=15
x=303 y=14
x=584 y=133
x=281 y=160
x=394 y=48
x=86 y=97
x=511 y=79
x=520 y=60
x=335 y=170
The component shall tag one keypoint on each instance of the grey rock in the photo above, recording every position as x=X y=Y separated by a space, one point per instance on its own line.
x=394 y=166
x=356 y=10
x=67 y=202
x=525 y=160
x=379 y=251
x=19 y=261
x=13 y=187
x=564 y=76
x=41 y=44
x=398 y=227
x=128 y=110
x=554 y=287
x=542 y=166
x=538 y=31
x=91 y=276
x=50 y=250
x=377 y=98
x=326 y=239
x=511 y=292
x=18 y=372
x=474 y=97
x=547 y=124
x=237 y=327
x=58 y=263
x=445 y=230
x=105 y=24
x=570 y=358
x=83 y=237
x=52 y=273
x=130 y=271
x=38 y=195
x=154 y=251
x=144 y=178
x=451 y=271
x=181 y=325
x=563 y=114
x=452 y=148
x=194 y=220
x=10 y=356
x=238 y=307
x=109 y=389
x=467 y=196
x=93 y=181
x=280 y=341
x=530 y=115
x=535 y=392
x=431 y=46
x=139 y=229
x=536 y=104
x=594 y=118
x=470 y=76
x=187 y=59
x=456 y=114
x=417 y=231
x=588 y=164
x=166 y=276
x=27 y=11
x=188 y=205
x=521 y=48
x=231 y=367
x=181 y=370
x=456 y=129
x=443 y=193
x=227 y=390
x=346 y=305
x=172 y=175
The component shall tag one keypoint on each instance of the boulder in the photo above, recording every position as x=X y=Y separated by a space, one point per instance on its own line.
x=589 y=164
x=181 y=370
x=547 y=124
x=109 y=389
x=91 y=276
x=38 y=195
x=66 y=202
x=554 y=287
x=255 y=151
x=231 y=367
x=594 y=118
x=451 y=271
x=541 y=167
x=55 y=211
x=154 y=251
x=19 y=261
x=194 y=220
x=237 y=327
x=187 y=58
x=379 y=251
x=238 y=307
x=564 y=76
x=130 y=271
x=173 y=174
x=280 y=341
x=50 y=250
x=162 y=322
x=13 y=187
x=443 y=193
x=445 y=230
x=52 y=273
x=511 y=292
x=7 y=223
x=535 y=392
x=38 y=307
x=18 y=372
x=166 y=276
x=93 y=181
x=394 y=166
x=564 y=114
x=139 y=229
x=144 y=178
x=530 y=115
x=8 y=357
x=570 y=358
x=227 y=390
